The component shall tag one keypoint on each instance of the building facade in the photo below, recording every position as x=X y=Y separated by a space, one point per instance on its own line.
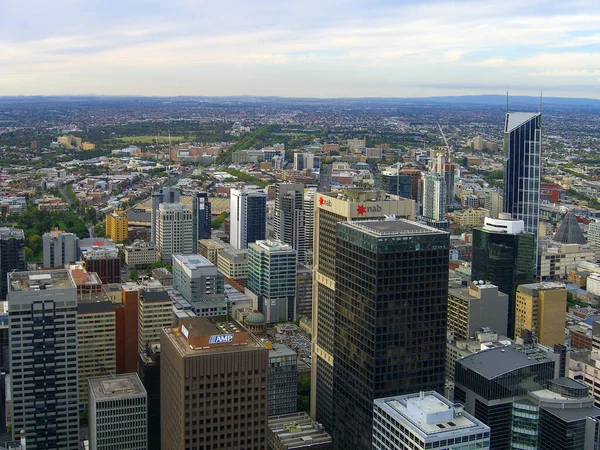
x=288 y=217
x=59 y=248
x=149 y=373
x=247 y=216
x=175 y=231
x=380 y=295
x=12 y=255
x=434 y=197
x=164 y=195
x=101 y=256
x=42 y=308
x=201 y=210
x=117 y=226
x=283 y=380
x=214 y=378
x=118 y=412
x=140 y=255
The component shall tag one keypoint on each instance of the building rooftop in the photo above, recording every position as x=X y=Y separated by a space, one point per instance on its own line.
x=500 y=360
x=516 y=119
x=569 y=231
x=114 y=387
x=273 y=246
x=298 y=431
x=574 y=414
x=40 y=280
x=193 y=262
x=279 y=350
x=7 y=233
x=431 y=415
x=532 y=289
x=394 y=227
x=96 y=307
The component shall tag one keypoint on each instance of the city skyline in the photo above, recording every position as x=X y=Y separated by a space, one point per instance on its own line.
x=305 y=49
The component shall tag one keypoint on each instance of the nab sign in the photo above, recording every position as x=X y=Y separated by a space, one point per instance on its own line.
x=221 y=339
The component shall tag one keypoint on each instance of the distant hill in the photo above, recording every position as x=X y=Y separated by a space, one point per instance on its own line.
x=516 y=101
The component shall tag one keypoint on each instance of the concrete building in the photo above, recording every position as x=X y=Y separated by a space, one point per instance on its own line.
x=210 y=249
x=175 y=231
x=557 y=260
x=593 y=234
x=283 y=380
x=118 y=410
x=233 y=263
x=330 y=209
x=96 y=343
x=155 y=311
x=434 y=197
x=593 y=283
x=272 y=279
x=100 y=255
x=59 y=248
x=140 y=255
x=12 y=255
x=247 y=216
x=117 y=226
x=288 y=217
x=164 y=195
x=297 y=431
x=478 y=306
x=472 y=217
x=308 y=206
x=423 y=421
x=214 y=373
x=199 y=282
x=541 y=309
x=42 y=308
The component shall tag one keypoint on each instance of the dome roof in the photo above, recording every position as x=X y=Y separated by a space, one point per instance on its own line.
x=256 y=318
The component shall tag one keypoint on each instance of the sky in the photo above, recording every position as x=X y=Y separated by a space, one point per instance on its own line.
x=308 y=48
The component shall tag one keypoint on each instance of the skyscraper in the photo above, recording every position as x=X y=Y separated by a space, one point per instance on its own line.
x=175 y=231
x=503 y=254
x=522 y=150
x=12 y=255
x=434 y=197
x=164 y=195
x=309 y=223
x=214 y=381
x=59 y=248
x=42 y=308
x=391 y=302
x=330 y=209
x=149 y=373
x=288 y=216
x=201 y=212
x=247 y=216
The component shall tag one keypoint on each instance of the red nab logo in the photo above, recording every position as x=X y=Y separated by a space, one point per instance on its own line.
x=361 y=210
x=321 y=200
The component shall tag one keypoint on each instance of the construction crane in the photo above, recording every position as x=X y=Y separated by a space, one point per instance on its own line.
x=446 y=142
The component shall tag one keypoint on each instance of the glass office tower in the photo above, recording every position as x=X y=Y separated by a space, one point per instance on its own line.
x=391 y=300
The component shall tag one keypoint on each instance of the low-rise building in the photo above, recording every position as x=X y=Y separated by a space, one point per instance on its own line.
x=233 y=263
x=297 y=431
x=140 y=254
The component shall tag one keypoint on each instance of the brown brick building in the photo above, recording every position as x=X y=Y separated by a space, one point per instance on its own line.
x=214 y=385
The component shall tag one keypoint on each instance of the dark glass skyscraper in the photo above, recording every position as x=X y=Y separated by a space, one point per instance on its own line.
x=522 y=150
x=12 y=255
x=391 y=302
x=504 y=255
x=201 y=218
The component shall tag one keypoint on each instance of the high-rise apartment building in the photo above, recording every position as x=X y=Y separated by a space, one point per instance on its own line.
x=541 y=309
x=164 y=195
x=522 y=175
x=101 y=256
x=478 y=306
x=118 y=409
x=272 y=278
x=426 y=420
x=117 y=225
x=96 y=343
x=42 y=308
x=149 y=373
x=308 y=205
x=393 y=181
x=331 y=208
x=247 y=216
x=434 y=197
x=214 y=381
x=12 y=255
x=503 y=254
x=389 y=333
x=201 y=211
x=175 y=231
x=288 y=216
x=59 y=248
x=283 y=380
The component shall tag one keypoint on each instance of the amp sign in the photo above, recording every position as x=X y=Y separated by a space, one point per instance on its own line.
x=220 y=339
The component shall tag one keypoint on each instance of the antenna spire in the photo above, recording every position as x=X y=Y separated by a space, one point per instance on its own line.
x=507 y=105
x=541 y=98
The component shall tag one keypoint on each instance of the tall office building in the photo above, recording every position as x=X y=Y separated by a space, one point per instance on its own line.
x=118 y=409
x=12 y=255
x=426 y=420
x=164 y=195
x=214 y=378
x=540 y=308
x=309 y=223
x=330 y=209
x=503 y=254
x=522 y=175
x=391 y=301
x=443 y=166
x=155 y=311
x=149 y=373
x=42 y=308
x=272 y=278
x=248 y=212
x=288 y=216
x=96 y=343
x=201 y=211
x=434 y=197
x=175 y=231
x=283 y=380
x=117 y=226
x=59 y=248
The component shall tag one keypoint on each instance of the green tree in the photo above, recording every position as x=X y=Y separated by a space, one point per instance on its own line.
x=304 y=394
x=133 y=275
